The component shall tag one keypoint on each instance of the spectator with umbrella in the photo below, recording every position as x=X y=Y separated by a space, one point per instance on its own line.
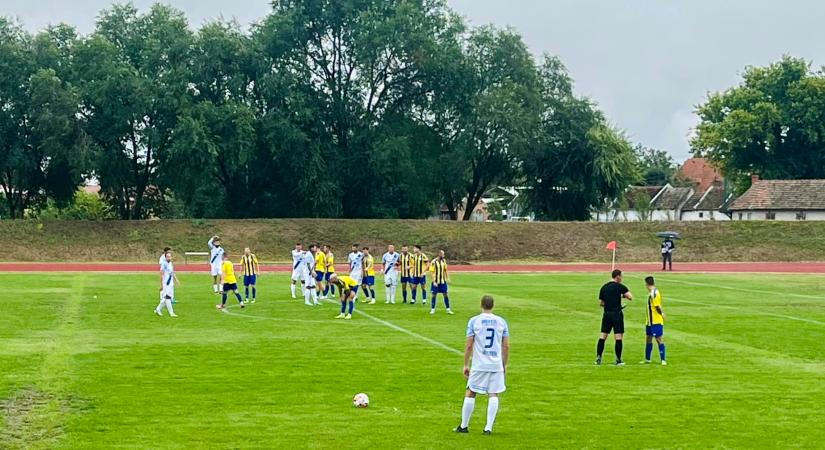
x=668 y=246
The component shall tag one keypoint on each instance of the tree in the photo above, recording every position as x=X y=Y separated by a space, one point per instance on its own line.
x=134 y=73
x=772 y=124
x=42 y=144
x=577 y=161
x=483 y=117
x=656 y=167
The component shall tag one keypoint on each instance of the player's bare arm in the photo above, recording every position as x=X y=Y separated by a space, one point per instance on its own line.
x=505 y=351
x=468 y=353
x=628 y=295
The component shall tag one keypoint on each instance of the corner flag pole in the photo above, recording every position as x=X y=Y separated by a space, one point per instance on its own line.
x=612 y=246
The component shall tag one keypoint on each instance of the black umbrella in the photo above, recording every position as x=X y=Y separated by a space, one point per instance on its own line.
x=668 y=234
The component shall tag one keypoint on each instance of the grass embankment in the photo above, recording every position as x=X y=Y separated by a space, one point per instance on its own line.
x=467 y=242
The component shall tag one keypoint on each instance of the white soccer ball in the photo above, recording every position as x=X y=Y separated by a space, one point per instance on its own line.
x=361 y=400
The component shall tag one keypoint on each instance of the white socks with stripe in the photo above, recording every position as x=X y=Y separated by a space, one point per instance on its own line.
x=467 y=411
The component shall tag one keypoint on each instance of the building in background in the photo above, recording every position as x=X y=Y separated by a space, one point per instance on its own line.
x=781 y=200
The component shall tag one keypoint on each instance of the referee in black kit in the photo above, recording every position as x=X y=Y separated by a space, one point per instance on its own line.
x=610 y=298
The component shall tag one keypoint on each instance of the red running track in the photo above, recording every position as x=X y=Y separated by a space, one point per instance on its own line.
x=756 y=267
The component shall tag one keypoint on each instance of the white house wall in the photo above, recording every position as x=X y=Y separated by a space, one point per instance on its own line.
x=694 y=216
x=780 y=215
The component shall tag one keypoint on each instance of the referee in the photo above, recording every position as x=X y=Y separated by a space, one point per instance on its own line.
x=610 y=298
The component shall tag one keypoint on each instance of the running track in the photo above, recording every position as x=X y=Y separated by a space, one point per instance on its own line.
x=757 y=267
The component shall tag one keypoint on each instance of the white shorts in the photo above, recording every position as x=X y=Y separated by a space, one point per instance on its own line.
x=309 y=280
x=486 y=382
x=168 y=291
x=391 y=279
x=216 y=271
x=298 y=274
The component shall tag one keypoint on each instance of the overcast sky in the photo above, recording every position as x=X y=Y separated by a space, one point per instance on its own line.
x=646 y=62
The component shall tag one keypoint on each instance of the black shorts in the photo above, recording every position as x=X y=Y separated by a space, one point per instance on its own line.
x=227 y=287
x=613 y=321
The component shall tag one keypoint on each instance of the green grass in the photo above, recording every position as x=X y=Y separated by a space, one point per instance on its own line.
x=142 y=241
x=83 y=372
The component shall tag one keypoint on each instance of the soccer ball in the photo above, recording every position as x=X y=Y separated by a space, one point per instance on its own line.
x=361 y=400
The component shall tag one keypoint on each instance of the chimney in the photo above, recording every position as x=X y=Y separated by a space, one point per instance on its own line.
x=754 y=178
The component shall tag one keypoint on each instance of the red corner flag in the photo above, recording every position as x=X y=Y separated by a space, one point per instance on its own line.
x=611 y=245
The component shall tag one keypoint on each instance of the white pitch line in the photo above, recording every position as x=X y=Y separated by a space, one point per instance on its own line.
x=752 y=311
x=395 y=327
x=754 y=291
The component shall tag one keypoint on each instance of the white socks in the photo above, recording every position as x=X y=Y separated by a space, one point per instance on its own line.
x=467 y=411
x=169 y=307
x=216 y=288
x=492 y=410
x=392 y=293
x=168 y=304
x=292 y=289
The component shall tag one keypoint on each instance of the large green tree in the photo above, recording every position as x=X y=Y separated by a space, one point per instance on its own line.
x=576 y=161
x=134 y=72
x=772 y=124
x=42 y=143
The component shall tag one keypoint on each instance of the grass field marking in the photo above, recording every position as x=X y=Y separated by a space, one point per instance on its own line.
x=752 y=311
x=395 y=327
x=753 y=291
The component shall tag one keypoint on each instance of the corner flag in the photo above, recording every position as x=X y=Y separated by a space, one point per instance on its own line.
x=612 y=246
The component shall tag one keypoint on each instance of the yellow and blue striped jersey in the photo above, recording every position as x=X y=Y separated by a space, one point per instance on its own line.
x=249 y=264
x=654 y=299
x=330 y=258
x=420 y=265
x=346 y=283
x=439 y=270
x=406 y=264
x=369 y=265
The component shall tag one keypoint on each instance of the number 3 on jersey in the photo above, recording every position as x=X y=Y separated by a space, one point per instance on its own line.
x=490 y=337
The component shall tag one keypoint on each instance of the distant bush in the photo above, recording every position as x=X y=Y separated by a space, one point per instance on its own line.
x=85 y=206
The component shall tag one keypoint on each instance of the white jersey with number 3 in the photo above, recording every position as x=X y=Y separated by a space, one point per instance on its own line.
x=487 y=330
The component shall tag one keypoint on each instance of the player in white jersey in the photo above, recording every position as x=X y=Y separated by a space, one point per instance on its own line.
x=390 y=264
x=356 y=266
x=215 y=262
x=488 y=343
x=297 y=268
x=160 y=266
x=308 y=262
x=168 y=280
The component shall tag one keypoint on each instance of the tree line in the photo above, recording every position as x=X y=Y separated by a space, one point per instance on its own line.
x=324 y=108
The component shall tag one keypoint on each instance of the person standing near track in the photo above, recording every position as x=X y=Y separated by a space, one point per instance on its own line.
x=215 y=262
x=610 y=298
x=667 y=253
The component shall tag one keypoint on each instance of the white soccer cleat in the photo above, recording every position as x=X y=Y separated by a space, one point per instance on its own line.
x=432 y=311
x=372 y=302
x=158 y=313
x=306 y=302
x=664 y=363
x=173 y=315
x=450 y=311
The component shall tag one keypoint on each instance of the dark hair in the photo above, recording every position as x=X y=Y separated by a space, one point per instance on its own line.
x=616 y=273
x=166 y=249
x=487 y=302
x=417 y=246
x=649 y=281
x=297 y=243
x=365 y=248
x=355 y=245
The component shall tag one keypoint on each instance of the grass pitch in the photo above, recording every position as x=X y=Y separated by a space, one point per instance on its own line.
x=85 y=364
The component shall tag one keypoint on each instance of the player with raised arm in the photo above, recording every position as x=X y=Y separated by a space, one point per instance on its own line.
x=610 y=298
x=654 y=322
x=250 y=268
x=390 y=267
x=488 y=343
x=229 y=282
x=438 y=267
x=369 y=277
x=215 y=261
x=356 y=266
x=297 y=268
x=168 y=280
x=419 y=274
x=406 y=264
x=347 y=287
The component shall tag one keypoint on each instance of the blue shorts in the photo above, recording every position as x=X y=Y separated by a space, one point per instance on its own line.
x=369 y=280
x=354 y=291
x=439 y=288
x=406 y=279
x=327 y=275
x=319 y=276
x=249 y=280
x=655 y=330
x=419 y=280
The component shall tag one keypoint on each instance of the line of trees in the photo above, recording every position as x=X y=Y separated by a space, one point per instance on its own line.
x=325 y=108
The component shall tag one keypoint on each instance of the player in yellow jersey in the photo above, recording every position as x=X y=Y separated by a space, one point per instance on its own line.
x=438 y=268
x=320 y=269
x=406 y=262
x=655 y=322
x=419 y=274
x=229 y=282
x=330 y=270
x=369 y=277
x=347 y=287
x=249 y=266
